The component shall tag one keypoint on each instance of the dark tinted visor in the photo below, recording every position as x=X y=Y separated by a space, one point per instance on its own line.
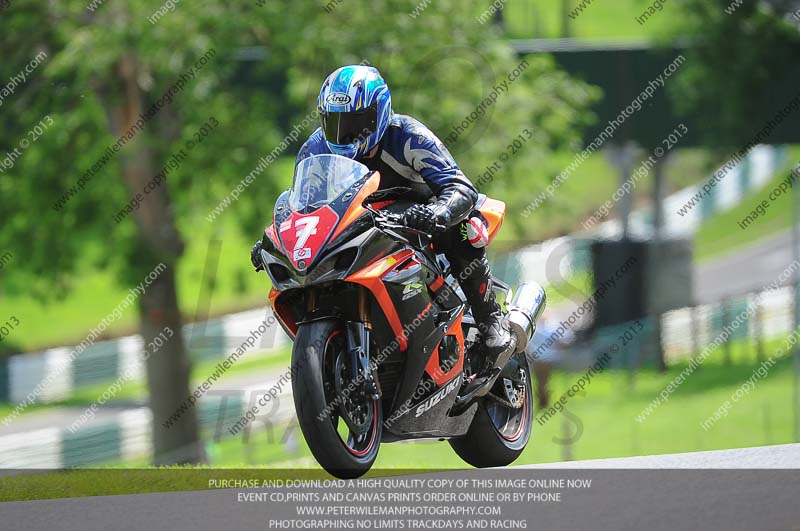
x=347 y=127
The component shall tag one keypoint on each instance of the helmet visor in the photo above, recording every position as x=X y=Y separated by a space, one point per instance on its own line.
x=349 y=127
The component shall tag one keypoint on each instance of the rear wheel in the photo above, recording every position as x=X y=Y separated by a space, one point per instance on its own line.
x=501 y=427
x=324 y=398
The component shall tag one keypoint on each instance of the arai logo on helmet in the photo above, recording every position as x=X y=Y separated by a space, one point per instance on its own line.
x=338 y=98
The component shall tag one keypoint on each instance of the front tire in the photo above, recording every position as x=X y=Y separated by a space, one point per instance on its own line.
x=317 y=346
x=498 y=433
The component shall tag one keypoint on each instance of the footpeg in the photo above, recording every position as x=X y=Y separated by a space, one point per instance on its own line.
x=476 y=384
x=471 y=388
x=499 y=363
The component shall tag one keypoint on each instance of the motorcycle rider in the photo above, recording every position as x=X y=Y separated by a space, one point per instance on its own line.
x=355 y=106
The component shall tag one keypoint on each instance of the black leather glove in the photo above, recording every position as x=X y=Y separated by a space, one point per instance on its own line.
x=430 y=219
x=453 y=204
x=255 y=256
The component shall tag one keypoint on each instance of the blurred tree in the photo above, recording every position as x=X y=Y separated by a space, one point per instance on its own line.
x=105 y=70
x=740 y=61
x=110 y=62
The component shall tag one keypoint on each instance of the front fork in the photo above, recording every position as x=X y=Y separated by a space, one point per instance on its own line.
x=357 y=334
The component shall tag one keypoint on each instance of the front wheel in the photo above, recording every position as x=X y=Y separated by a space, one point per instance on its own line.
x=324 y=397
x=501 y=427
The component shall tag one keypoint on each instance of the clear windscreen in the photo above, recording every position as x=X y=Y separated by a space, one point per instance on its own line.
x=320 y=179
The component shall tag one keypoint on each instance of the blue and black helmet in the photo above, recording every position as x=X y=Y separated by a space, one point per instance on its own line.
x=356 y=107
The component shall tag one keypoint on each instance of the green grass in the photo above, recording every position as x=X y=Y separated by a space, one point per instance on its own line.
x=721 y=233
x=593 y=182
x=543 y=19
x=67 y=322
x=6 y=408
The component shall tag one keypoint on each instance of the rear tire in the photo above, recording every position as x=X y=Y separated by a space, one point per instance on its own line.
x=316 y=347
x=498 y=434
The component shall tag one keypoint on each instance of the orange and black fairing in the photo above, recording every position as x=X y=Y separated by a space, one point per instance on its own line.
x=286 y=317
x=424 y=322
x=372 y=277
x=269 y=232
x=356 y=207
x=448 y=359
x=317 y=246
x=300 y=241
x=303 y=236
x=493 y=211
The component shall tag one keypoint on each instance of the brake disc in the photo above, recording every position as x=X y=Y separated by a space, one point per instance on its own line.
x=354 y=409
x=514 y=392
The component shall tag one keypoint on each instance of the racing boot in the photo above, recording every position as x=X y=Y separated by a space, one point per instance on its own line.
x=495 y=335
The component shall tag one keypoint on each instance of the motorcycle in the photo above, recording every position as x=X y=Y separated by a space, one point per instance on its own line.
x=383 y=336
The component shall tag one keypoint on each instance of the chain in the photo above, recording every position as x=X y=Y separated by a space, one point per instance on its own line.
x=502 y=401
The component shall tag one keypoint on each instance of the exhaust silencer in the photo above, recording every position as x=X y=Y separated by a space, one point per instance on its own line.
x=525 y=309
